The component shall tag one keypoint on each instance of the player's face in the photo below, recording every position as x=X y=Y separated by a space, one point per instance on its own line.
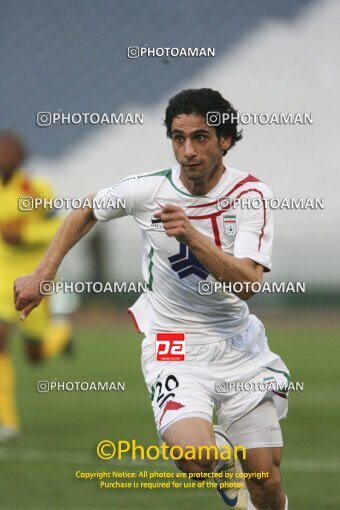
x=197 y=148
x=10 y=156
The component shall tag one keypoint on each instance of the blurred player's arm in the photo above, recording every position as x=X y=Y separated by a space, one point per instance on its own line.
x=36 y=233
x=44 y=223
x=75 y=226
x=40 y=232
x=34 y=228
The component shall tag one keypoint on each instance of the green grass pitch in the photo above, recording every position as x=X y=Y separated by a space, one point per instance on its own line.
x=61 y=429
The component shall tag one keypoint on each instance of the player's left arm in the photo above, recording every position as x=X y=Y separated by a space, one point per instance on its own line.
x=222 y=266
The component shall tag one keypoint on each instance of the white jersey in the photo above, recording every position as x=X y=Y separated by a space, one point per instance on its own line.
x=173 y=302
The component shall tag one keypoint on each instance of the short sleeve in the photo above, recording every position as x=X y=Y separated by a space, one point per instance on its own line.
x=254 y=238
x=115 y=201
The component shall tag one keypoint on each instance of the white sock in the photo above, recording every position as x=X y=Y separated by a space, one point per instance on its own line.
x=219 y=443
x=251 y=506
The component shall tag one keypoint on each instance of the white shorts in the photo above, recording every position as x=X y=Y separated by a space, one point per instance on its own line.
x=257 y=429
x=234 y=375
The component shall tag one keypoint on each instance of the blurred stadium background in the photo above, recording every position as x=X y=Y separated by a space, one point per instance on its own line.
x=270 y=57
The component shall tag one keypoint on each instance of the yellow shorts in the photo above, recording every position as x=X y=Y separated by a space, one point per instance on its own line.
x=37 y=321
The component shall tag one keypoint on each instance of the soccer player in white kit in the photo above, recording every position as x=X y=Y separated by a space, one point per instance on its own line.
x=196 y=234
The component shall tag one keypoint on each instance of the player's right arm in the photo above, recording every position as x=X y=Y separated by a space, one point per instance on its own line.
x=76 y=225
x=104 y=207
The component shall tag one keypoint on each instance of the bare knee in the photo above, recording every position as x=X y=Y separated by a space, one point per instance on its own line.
x=195 y=432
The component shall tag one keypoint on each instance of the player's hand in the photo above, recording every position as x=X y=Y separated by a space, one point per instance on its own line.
x=27 y=295
x=176 y=223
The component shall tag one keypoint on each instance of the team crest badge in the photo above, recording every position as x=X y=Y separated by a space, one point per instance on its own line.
x=229 y=225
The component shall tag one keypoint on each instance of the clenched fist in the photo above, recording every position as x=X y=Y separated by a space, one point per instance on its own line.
x=176 y=223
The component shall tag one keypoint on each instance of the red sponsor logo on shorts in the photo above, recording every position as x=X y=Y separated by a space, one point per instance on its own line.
x=170 y=346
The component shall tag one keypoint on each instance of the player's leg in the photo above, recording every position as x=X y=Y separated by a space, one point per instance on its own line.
x=182 y=404
x=182 y=407
x=265 y=493
x=195 y=432
x=259 y=431
x=199 y=432
x=56 y=339
x=58 y=335
x=44 y=336
x=9 y=421
x=249 y=411
x=231 y=487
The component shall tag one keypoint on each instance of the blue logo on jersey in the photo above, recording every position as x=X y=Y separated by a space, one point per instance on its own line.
x=185 y=263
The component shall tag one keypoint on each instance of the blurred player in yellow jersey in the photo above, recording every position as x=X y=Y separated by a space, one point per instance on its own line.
x=24 y=237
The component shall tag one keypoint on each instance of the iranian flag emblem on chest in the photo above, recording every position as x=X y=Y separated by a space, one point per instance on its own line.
x=229 y=225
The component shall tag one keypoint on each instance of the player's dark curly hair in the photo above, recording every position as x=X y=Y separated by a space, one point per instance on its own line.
x=202 y=101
